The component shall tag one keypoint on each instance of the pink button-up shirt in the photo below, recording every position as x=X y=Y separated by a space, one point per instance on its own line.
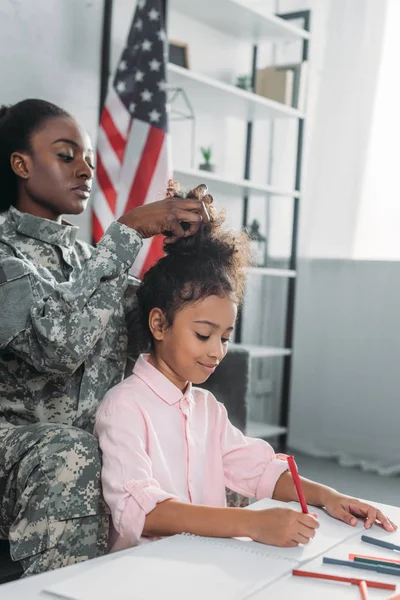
x=159 y=443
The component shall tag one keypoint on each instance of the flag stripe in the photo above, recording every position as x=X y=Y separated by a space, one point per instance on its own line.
x=110 y=161
x=106 y=185
x=134 y=150
x=117 y=141
x=155 y=251
x=120 y=115
x=96 y=227
x=146 y=168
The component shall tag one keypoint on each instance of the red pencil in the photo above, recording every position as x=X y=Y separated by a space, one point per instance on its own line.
x=363 y=590
x=297 y=483
x=374 y=584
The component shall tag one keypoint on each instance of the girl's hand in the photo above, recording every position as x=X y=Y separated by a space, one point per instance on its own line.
x=282 y=527
x=346 y=508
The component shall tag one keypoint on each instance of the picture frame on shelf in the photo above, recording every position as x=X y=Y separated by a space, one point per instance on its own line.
x=178 y=54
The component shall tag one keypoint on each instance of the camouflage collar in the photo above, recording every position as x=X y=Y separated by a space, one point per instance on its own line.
x=57 y=234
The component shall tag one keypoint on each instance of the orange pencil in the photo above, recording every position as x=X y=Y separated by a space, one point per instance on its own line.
x=297 y=483
x=353 y=580
x=363 y=590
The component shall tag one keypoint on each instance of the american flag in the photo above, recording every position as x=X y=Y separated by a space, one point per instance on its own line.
x=132 y=153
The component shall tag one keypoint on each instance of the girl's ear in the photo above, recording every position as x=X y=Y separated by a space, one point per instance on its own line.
x=157 y=323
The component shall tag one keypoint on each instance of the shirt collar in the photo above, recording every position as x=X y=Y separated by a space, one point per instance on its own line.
x=163 y=387
x=57 y=234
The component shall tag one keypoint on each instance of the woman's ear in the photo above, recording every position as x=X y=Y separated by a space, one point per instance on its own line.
x=157 y=323
x=20 y=163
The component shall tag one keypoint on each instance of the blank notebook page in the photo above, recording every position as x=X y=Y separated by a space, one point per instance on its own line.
x=179 y=567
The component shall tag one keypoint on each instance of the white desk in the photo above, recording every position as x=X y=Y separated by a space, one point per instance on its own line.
x=287 y=588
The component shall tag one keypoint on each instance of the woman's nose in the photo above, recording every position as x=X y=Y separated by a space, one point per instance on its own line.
x=84 y=170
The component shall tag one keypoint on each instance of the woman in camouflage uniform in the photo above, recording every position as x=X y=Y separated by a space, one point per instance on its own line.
x=63 y=333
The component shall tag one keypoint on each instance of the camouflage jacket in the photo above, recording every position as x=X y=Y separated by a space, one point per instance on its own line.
x=63 y=331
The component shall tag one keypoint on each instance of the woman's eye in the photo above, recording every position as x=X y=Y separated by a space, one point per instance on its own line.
x=92 y=166
x=66 y=157
x=225 y=340
x=203 y=338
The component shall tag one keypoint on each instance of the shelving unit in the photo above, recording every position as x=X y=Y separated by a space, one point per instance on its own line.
x=253 y=25
x=225 y=15
x=234 y=17
x=205 y=92
x=225 y=185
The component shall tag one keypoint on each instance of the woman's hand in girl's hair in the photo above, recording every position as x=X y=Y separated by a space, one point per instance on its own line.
x=347 y=509
x=282 y=527
x=167 y=215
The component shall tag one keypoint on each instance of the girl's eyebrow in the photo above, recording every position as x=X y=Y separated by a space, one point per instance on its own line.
x=213 y=325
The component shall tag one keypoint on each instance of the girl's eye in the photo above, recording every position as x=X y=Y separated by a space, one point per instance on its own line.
x=203 y=338
x=66 y=157
x=225 y=340
x=92 y=166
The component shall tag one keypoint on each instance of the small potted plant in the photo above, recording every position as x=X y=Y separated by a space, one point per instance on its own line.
x=207 y=166
x=244 y=82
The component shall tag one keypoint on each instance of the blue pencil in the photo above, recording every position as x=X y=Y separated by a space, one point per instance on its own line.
x=366 y=567
x=382 y=543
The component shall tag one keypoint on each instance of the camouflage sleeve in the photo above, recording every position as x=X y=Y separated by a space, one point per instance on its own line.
x=55 y=332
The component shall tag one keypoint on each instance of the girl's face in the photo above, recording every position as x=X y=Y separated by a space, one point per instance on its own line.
x=192 y=348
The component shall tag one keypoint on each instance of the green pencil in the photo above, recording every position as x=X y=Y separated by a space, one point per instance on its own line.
x=372 y=561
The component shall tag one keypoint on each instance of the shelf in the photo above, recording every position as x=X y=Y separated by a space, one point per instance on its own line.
x=255 y=24
x=224 y=185
x=264 y=271
x=222 y=99
x=263 y=351
x=263 y=430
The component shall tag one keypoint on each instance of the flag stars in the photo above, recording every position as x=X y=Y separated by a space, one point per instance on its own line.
x=139 y=76
x=162 y=85
x=141 y=4
x=122 y=66
x=154 y=65
x=139 y=25
x=146 y=45
x=121 y=86
x=132 y=107
x=154 y=116
x=161 y=35
x=146 y=96
x=154 y=15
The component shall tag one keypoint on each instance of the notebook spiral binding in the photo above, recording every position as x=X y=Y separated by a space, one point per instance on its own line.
x=241 y=546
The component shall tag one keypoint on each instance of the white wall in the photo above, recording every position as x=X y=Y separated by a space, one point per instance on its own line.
x=50 y=49
x=377 y=233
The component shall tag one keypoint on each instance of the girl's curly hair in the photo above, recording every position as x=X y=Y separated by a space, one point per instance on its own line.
x=210 y=263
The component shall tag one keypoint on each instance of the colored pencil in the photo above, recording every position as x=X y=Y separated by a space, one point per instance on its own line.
x=363 y=590
x=395 y=597
x=297 y=483
x=384 y=563
x=381 y=543
x=353 y=580
x=389 y=560
x=365 y=566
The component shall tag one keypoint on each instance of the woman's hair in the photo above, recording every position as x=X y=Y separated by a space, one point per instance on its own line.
x=17 y=123
x=210 y=263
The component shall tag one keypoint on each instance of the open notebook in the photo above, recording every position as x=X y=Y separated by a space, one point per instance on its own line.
x=188 y=566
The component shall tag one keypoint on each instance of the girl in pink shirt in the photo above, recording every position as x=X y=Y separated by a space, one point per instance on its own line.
x=169 y=448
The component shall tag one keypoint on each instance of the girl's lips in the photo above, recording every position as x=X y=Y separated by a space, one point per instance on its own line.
x=208 y=368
